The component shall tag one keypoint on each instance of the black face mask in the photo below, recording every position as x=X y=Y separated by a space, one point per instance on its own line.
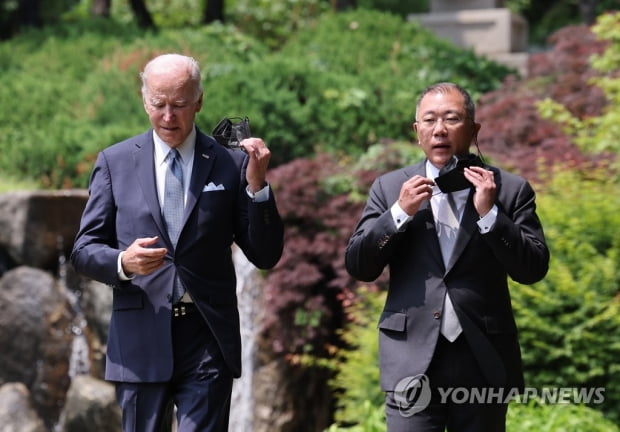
x=451 y=177
x=230 y=134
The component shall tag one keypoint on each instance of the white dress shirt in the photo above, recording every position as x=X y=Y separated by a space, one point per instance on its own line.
x=485 y=224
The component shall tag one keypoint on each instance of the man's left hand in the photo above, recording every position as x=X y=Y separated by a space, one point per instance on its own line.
x=486 y=189
x=256 y=172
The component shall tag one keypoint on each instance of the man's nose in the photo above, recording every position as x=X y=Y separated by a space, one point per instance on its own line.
x=439 y=128
x=168 y=112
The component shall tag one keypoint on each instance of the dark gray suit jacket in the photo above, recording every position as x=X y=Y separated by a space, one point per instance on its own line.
x=476 y=277
x=123 y=205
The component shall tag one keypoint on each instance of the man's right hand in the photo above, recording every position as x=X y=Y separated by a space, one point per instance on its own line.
x=140 y=259
x=413 y=192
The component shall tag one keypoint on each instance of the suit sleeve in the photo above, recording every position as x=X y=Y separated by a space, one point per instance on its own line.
x=372 y=243
x=517 y=239
x=94 y=252
x=260 y=230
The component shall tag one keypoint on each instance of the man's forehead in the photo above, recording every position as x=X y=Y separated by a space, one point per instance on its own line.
x=442 y=101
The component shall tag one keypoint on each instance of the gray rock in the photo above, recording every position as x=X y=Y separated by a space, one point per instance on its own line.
x=35 y=337
x=16 y=411
x=35 y=225
x=90 y=406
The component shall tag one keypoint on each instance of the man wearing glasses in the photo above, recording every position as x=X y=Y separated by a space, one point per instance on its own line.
x=451 y=229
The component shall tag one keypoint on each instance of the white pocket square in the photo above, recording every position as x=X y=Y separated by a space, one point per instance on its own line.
x=212 y=187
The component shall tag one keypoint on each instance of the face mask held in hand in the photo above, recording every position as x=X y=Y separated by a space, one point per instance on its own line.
x=451 y=177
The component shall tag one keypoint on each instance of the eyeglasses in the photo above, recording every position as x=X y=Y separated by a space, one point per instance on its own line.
x=449 y=120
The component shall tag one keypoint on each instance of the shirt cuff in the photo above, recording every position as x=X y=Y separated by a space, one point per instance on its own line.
x=399 y=216
x=259 y=196
x=486 y=223
x=119 y=269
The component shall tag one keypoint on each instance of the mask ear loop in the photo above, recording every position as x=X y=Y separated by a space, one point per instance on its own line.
x=475 y=138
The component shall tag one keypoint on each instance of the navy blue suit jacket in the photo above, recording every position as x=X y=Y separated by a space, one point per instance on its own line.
x=123 y=205
x=475 y=277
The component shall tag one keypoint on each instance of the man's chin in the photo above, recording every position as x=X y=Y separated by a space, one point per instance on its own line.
x=440 y=161
x=170 y=136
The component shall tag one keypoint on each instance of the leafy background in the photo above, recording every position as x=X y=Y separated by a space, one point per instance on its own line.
x=333 y=95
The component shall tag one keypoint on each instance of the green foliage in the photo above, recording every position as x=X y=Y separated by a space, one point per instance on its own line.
x=340 y=87
x=534 y=416
x=363 y=71
x=605 y=129
x=356 y=382
x=398 y=7
x=359 y=401
x=379 y=158
x=344 y=84
x=601 y=133
x=546 y=17
x=75 y=90
x=273 y=22
x=320 y=200
x=541 y=417
x=371 y=419
x=8 y=184
x=569 y=322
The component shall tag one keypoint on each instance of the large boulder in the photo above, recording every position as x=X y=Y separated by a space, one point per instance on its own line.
x=90 y=406
x=16 y=411
x=35 y=336
x=36 y=227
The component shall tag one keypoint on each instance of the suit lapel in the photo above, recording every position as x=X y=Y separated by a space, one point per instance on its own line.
x=466 y=229
x=204 y=159
x=145 y=170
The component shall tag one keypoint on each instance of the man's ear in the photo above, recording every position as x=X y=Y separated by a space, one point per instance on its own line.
x=199 y=103
x=477 y=127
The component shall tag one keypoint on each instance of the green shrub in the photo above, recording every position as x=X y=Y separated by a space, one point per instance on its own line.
x=569 y=321
x=344 y=84
x=360 y=402
x=273 y=22
x=596 y=133
x=532 y=417
x=356 y=382
x=540 y=417
x=8 y=184
x=74 y=90
x=340 y=86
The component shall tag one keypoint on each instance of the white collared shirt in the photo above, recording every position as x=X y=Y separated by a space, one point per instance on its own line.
x=485 y=224
x=186 y=150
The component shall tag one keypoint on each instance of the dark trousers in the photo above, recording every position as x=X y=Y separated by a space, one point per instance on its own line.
x=200 y=387
x=453 y=366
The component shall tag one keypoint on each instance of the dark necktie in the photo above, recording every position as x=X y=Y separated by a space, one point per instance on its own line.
x=173 y=208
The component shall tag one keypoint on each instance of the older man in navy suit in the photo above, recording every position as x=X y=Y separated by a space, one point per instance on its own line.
x=451 y=230
x=164 y=209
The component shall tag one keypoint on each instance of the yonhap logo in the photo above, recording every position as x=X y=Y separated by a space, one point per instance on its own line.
x=412 y=394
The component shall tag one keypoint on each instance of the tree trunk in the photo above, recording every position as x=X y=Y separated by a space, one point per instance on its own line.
x=29 y=15
x=342 y=5
x=101 y=8
x=587 y=8
x=142 y=14
x=214 y=11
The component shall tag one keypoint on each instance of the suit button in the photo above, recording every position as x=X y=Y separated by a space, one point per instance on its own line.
x=436 y=315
